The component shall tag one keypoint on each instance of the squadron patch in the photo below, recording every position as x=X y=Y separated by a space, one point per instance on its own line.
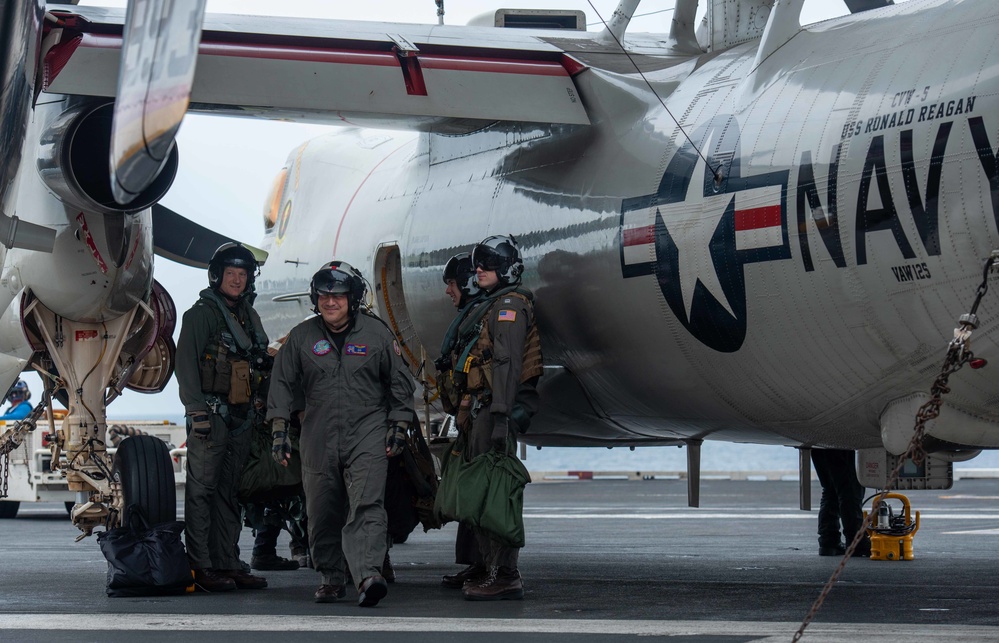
x=395 y=347
x=322 y=347
x=507 y=315
x=356 y=349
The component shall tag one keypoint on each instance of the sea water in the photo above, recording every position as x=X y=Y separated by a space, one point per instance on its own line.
x=715 y=456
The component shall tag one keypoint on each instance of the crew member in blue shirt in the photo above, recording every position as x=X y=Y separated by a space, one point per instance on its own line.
x=18 y=397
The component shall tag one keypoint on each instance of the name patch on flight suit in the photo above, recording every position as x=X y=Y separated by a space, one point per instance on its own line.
x=321 y=347
x=507 y=315
x=356 y=349
x=395 y=347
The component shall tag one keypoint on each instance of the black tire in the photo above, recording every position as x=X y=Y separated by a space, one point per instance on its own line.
x=8 y=508
x=145 y=470
x=69 y=507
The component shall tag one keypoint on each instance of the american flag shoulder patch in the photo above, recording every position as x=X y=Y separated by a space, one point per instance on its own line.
x=507 y=315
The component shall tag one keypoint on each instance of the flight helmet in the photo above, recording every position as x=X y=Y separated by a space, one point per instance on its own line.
x=338 y=278
x=460 y=268
x=236 y=255
x=19 y=392
x=499 y=253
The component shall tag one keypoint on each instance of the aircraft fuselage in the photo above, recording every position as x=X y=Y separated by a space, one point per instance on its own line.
x=814 y=282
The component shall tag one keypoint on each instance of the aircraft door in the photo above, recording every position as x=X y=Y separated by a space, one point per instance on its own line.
x=390 y=301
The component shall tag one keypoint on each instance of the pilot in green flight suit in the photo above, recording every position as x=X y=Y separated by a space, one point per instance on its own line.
x=459 y=276
x=504 y=362
x=358 y=406
x=221 y=357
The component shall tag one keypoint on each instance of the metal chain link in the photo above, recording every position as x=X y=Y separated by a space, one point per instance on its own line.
x=958 y=354
x=4 y=473
x=14 y=437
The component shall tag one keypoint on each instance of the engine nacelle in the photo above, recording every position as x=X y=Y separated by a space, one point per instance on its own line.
x=74 y=161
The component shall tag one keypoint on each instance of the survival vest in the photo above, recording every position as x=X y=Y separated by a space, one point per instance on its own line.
x=448 y=393
x=473 y=350
x=235 y=363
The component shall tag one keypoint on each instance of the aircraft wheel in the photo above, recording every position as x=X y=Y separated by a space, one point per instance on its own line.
x=144 y=467
x=69 y=507
x=8 y=508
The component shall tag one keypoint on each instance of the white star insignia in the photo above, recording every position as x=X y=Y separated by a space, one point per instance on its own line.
x=691 y=224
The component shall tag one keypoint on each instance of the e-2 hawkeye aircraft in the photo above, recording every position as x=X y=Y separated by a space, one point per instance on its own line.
x=752 y=231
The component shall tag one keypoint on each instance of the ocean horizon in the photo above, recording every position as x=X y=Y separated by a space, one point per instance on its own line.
x=715 y=456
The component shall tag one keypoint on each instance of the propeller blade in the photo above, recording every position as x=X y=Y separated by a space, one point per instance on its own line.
x=159 y=52
x=184 y=241
x=20 y=32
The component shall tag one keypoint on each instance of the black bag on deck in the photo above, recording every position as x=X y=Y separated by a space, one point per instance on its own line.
x=411 y=487
x=145 y=561
x=399 y=494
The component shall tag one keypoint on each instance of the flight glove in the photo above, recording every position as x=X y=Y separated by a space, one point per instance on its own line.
x=395 y=440
x=281 y=445
x=501 y=429
x=201 y=424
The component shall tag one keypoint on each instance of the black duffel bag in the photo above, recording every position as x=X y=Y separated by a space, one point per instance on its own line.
x=145 y=561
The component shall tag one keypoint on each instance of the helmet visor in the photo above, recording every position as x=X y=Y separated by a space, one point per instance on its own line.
x=486 y=258
x=332 y=283
x=239 y=262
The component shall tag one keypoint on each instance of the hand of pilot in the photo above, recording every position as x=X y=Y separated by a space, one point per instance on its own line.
x=395 y=439
x=201 y=425
x=281 y=445
x=501 y=429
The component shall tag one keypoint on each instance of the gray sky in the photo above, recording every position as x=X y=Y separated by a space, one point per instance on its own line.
x=227 y=165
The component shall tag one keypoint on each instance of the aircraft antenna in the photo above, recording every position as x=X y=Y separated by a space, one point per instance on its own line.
x=716 y=172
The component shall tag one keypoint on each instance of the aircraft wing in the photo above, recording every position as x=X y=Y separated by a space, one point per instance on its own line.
x=328 y=70
x=186 y=242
